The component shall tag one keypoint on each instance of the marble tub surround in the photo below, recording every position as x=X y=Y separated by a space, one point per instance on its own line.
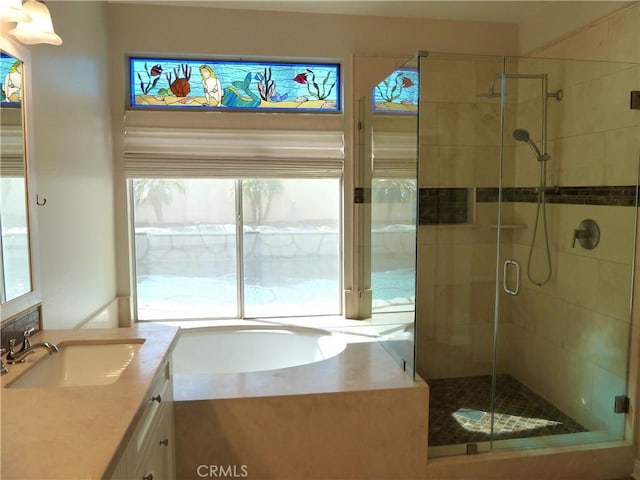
x=363 y=434
x=361 y=366
x=77 y=432
x=355 y=415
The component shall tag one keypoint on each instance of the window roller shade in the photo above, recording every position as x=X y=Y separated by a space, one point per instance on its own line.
x=185 y=153
x=395 y=155
x=12 y=151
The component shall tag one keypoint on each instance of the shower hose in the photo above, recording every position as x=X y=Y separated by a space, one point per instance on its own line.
x=541 y=208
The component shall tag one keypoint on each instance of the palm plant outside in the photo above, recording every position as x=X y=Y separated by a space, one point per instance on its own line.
x=157 y=193
x=258 y=195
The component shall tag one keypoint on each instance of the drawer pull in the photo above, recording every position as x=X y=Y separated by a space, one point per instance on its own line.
x=148 y=476
x=165 y=442
x=157 y=398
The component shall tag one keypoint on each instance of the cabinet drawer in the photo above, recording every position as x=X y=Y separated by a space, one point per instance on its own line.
x=156 y=460
x=160 y=393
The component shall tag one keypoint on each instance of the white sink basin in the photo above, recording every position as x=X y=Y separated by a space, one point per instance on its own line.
x=77 y=364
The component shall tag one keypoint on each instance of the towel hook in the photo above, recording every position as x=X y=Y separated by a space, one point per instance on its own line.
x=40 y=204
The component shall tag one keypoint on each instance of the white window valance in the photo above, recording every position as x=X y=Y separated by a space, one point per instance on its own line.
x=192 y=152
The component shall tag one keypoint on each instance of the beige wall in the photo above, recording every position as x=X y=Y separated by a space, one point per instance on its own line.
x=154 y=30
x=548 y=26
x=74 y=166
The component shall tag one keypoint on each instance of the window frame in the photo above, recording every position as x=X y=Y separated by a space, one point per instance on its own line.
x=240 y=259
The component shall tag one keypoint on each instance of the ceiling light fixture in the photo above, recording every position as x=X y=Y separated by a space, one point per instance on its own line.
x=39 y=29
x=12 y=11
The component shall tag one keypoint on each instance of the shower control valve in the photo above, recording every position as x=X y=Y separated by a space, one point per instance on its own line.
x=587 y=234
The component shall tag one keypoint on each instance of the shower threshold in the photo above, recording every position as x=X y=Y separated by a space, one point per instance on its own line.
x=460 y=413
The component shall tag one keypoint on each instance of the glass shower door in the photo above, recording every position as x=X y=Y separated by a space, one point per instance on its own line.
x=459 y=179
x=568 y=215
x=527 y=198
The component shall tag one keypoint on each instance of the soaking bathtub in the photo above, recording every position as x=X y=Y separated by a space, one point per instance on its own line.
x=261 y=395
x=252 y=348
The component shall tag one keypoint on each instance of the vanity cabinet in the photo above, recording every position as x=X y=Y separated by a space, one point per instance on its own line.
x=149 y=454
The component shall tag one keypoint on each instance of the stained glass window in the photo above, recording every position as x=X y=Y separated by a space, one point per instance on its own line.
x=234 y=85
x=398 y=93
x=11 y=77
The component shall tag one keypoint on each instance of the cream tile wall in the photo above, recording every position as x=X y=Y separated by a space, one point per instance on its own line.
x=632 y=425
x=459 y=147
x=569 y=340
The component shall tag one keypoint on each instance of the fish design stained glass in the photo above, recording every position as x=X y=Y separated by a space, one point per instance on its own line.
x=398 y=93
x=234 y=85
x=11 y=77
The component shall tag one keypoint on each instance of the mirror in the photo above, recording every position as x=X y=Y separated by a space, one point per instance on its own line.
x=15 y=261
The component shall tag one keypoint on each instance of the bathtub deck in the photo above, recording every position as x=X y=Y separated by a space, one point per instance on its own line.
x=356 y=415
x=362 y=366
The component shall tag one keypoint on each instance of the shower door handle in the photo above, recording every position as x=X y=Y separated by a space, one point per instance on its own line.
x=505 y=279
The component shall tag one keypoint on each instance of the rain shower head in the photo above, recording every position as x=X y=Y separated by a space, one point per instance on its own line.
x=522 y=135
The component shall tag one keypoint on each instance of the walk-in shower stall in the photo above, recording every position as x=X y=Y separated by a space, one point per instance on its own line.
x=518 y=181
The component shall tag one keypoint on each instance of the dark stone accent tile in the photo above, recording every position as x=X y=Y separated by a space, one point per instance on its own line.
x=438 y=206
x=621 y=195
x=487 y=194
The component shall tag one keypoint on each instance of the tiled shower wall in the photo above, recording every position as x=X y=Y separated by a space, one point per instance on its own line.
x=459 y=135
x=568 y=340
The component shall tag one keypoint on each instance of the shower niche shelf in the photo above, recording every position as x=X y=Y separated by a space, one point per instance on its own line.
x=508 y=226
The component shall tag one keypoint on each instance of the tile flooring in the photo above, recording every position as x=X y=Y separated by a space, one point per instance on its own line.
x=459 y=411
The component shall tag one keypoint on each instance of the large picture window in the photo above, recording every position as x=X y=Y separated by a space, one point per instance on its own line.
x=236 y=248
x=234 y=85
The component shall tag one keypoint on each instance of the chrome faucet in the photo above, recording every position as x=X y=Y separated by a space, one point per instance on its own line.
x=26 y=349
x=3 y=367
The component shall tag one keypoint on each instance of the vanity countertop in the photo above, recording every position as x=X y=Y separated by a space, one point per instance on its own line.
x=78 y=432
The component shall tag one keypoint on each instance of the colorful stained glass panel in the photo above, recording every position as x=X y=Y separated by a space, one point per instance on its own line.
x=227 y=85
x=398 y=93
x=11 y=77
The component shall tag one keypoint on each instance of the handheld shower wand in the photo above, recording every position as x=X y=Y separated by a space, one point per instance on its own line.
x=522 y=135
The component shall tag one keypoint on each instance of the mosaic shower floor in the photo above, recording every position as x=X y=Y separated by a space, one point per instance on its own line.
x=459 y=411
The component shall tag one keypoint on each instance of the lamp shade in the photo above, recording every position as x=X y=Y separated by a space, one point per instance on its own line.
x=40 y=29
x=12 y=11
